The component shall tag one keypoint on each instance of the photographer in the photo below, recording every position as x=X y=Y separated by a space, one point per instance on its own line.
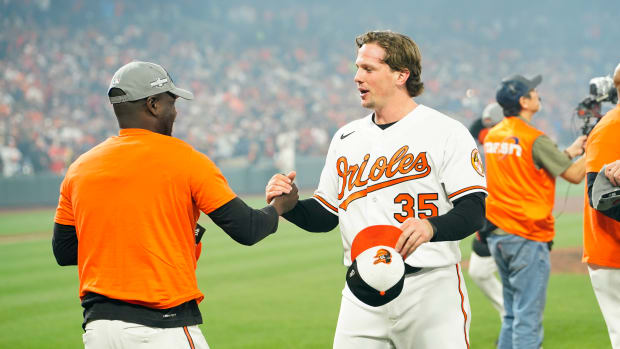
x=522 y=164
x=601 y=223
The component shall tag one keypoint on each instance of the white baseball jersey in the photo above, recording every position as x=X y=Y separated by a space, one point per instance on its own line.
x=414 y=168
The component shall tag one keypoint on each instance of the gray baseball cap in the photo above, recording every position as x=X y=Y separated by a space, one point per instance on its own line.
x=143 y=79
x=604 y=194
x=493 y=113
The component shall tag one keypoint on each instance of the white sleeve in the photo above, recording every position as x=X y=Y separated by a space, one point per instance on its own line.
x=462 y=171
x=327 y=192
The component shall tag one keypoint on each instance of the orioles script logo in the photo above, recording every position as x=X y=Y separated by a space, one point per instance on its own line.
x=383 y=256
x=401 y=162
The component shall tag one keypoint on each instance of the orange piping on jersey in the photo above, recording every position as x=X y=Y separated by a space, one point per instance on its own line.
x=466 y=189
x=325 y=203
x=362 y=193
x=189 y=338
x=458 y=275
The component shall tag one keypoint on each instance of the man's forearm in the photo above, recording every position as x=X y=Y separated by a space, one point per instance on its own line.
x=65 y=244
x=309 y=215
x=464 y=219
x=244 y=224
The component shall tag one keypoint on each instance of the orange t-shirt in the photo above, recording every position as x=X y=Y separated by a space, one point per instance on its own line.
x=134 y=201
x=601 y=234
x=521 y=196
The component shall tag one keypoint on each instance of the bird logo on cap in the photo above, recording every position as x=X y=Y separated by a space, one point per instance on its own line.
x=383 y=256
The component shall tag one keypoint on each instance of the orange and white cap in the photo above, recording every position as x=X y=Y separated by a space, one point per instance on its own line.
x=377 y=273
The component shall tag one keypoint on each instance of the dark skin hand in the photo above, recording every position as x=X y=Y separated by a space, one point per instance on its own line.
x=286 y=202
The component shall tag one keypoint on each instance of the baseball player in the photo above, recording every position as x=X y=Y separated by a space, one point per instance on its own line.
x=409 y=166
x=126 y=217
x=601 y=225
x=482 y=267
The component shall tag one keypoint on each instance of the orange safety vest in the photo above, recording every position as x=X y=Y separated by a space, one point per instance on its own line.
x=521 y=196
x=601 y=234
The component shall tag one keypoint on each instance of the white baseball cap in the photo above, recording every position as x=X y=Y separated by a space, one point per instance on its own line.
x=377 y=274
x=143 y=79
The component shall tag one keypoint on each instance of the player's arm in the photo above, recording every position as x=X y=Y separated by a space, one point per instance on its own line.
x=307 y=214
x=614 y=212
x=248 y=226
x=65 y=244
x=213 y=196
x=464 y=219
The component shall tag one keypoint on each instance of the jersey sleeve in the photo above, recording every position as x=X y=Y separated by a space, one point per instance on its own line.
x=461 y=170
x=208 y=185
x=327 y=192
x=64 y=210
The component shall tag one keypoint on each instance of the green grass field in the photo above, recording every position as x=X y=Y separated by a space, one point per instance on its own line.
x=282 y=293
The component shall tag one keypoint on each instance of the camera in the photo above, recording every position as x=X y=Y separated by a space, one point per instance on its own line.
x=602 y=89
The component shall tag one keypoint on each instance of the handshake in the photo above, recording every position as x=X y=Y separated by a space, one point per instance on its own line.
x=281 y=192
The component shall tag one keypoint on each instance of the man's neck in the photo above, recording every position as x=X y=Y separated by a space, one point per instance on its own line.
x=526 y=115
x=394 y=111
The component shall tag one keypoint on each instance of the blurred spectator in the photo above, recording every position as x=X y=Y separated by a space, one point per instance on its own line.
x=11 y=158
x=260 y=70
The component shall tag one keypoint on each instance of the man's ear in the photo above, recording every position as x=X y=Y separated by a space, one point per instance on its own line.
x=152 y=105
x=523 y=100
x=402 y=76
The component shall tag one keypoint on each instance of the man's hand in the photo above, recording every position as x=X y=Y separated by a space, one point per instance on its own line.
x=415 y=233
x=286 y=202
x=279 y=184
x=612 y=172
x=578 y=147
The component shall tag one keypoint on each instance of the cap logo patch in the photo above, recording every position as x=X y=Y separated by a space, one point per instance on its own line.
x=159 y=82
x=383 y=256
x=476 y=162
x=116 y=81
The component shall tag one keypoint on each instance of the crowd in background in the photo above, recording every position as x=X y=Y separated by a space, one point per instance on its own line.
x=265 y=71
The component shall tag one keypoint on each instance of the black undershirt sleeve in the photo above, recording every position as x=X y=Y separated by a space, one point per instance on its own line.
x=65 y=244
x=614 y=212
x=464 y=219
x=309 y=215
x=244 y=224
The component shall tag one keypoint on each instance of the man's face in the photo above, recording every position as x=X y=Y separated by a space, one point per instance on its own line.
x=531 y=103
x=168 y=113
x=375 y=80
